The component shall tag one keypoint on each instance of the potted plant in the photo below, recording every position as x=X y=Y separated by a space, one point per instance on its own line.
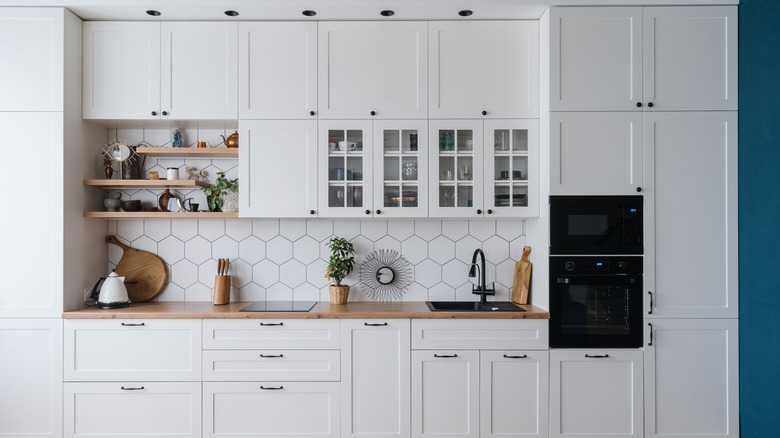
x=342 y=259
x=223 y=193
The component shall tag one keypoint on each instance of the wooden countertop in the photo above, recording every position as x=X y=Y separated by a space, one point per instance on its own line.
x=321 y=310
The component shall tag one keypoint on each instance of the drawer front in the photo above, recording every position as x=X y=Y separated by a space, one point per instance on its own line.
x=256 y=334
x=526 y=334
x=117 y=350
x=132 y=409
x=278 y=409
x=271 y=365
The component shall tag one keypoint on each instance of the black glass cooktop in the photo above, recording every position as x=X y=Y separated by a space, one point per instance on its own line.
x=279 y=306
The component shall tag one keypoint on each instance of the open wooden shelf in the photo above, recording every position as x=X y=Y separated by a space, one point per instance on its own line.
x=189 y=152
x=159 y=215
x=145 y=183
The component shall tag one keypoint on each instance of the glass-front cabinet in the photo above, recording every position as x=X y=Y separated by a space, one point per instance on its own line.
x=401 y=168
x=456 y=156
x=511 y=167
x=345 y=168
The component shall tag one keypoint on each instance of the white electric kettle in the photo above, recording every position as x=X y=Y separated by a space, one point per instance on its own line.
x=113 y=294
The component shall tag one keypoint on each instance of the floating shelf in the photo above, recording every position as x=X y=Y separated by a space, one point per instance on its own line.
x=189 y=152
x=144 y=183
x=159 y=215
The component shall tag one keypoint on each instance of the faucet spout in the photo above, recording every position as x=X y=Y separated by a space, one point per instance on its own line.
x=479 y=269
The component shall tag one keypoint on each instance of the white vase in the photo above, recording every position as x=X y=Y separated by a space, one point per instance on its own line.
x=230 y=202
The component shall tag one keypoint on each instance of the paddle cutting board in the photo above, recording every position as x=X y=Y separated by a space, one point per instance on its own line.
x=145 y=273
x=522 y=281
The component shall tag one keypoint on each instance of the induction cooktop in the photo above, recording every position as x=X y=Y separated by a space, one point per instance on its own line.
x=279 y=306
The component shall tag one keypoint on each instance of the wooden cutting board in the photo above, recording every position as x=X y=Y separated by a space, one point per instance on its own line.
x=145 y=273
x=522 y=281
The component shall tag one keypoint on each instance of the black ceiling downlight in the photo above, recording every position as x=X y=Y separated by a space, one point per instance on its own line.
x=387 y=13
x=309 y=13
x=231 y=13
x=465 y=13
x=153 y=13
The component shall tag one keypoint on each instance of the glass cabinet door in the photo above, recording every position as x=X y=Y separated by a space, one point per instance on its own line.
x=511 y=169
x=456 y=168
x=401 y=168
x=345 y=168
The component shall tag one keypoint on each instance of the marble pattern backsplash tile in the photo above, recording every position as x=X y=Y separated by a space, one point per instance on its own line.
x=285 y=259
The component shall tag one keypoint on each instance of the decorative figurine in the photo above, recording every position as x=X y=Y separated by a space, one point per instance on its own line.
x=198 y=175
x=109 y=170
x=177 y=138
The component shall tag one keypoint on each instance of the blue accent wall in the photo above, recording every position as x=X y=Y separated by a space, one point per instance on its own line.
x=759 y=217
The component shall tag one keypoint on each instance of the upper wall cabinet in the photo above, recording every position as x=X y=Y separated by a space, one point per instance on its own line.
x=652 y=58
x=31 y=82
x=373 y=69
x=277 y=70
x=484 y=69
x=149 y=71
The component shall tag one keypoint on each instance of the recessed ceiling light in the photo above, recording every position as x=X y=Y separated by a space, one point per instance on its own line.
x=465 y=13
x=309 y=13
x=387 y=13
x=231 y=13
x=153 y=13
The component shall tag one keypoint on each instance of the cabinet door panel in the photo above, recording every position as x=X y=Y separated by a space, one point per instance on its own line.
x=277 y=70
x=31 y=73
x=511 y=168
x=691 y=214
x=690 y=58
x=275 y=334
x=373 y=66
x=484 y=66
x=199 y=70
x=457 y=165
x=110 y=90
x=596 y=153
x=345 y=178
x=692 y=378
x=400 y=170
x=278 y=168
x=595 y=59
x=272 y=365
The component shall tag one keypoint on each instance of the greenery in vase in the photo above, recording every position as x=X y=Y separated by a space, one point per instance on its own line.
x=342 y=259
x=220 y=188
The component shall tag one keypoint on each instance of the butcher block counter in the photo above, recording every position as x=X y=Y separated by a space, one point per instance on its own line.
x=321 y=310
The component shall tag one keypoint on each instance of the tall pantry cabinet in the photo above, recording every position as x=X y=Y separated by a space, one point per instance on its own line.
x=40 y=117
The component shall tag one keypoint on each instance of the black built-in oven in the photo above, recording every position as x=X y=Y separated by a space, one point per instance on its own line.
x=595 y=301
x=600 y=225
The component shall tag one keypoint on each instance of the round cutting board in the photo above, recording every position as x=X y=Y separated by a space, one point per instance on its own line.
x=145 y=273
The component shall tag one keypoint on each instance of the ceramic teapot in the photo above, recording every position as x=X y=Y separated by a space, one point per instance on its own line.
x=113 y=294
x=232 y=141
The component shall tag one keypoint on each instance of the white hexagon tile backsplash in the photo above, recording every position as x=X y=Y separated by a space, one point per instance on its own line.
x=279 y=259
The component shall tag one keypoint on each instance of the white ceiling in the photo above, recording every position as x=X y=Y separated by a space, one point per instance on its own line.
x=125 y=10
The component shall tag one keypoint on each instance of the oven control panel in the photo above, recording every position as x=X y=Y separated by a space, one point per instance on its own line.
x=596 y=264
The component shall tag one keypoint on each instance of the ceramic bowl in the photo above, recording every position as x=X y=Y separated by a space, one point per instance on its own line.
x=111 y=204
x=131 y=205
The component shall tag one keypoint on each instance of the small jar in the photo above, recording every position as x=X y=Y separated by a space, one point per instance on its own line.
x=173 y=173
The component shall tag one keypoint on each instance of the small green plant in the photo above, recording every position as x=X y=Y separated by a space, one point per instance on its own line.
x=342 y=259
x=221 y=187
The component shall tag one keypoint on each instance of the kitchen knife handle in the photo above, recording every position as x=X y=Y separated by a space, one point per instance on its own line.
x=523 y=356
x=369 y=324
x=271 y=388
x=650 y=312
x=270 y=324
x=445 y=355
x=124 y=324
x=650 y=324
x=597 y=356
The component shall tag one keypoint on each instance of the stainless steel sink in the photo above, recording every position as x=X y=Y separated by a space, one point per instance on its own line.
x=473 y=306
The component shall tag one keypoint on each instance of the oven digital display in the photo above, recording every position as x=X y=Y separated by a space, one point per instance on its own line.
x=588 y=224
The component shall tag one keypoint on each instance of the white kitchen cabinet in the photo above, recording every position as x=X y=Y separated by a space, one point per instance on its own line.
x=375 y=379
x=445 y=393
x=257 y=334
x=373 y=69
x=692 y=378
x=651 y=58
x=596 y=393
x=31 y=378
x=117 y=350
x=475 y=334
x=511 y=150
x=690 y=223
x=262 y=409
x=345 y=156
x=596 y=153
x=132 y=409
x=513 y=393
x=277 y=70
x=457 y=166
x=145 y=70
x=271 y=365
x=277 y=166
x=484 y=69
x=32 y=53
x=400 y=168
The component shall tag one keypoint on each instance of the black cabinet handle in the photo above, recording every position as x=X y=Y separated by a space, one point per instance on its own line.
x=271 y=355
x=479 y=211
x=271 y=324
x=124 y=324
x=484 y=113
x=165 y=113
x=598 y=356
x=154 y=113
x=373 y=113
x=650 y=324
x=311 y=113
x=639 y=189
x=445 y=355
x=369 y=324
x=368 y=211
x=639 y=104
x=132 y=389
x=271 y=388
x=650 y=104
x=524 y=356
x=490 y=211
x=311 y=211
x=650 y=312
x=379 y=212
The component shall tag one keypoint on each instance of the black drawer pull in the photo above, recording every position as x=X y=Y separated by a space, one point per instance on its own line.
x=271 y=355
x=132 y=389
x=369 y=324
x=445 y=355
x=271 y=388
x=124 y=324
x=598 y=356
x=271 y=324
x=524 y=356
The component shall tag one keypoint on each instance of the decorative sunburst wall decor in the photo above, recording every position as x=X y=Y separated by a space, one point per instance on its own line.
x=383 y=290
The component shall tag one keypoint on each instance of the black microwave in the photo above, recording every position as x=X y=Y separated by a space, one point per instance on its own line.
x=600 y=225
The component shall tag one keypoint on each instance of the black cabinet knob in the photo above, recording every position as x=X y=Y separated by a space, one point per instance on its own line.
x=484 y=113
x=379 y=212
x=479 y=211
x=311 y=113
x=650 y=104
x=165 y=113
x=311 y=211
x=154 y=113
x=490 y=211
x=639 y=104
x=639 y=189
x=373 y=113
x=368 y=211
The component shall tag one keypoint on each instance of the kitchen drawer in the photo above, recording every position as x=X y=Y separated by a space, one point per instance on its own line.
x=278 y=409
x=271 y=365
x=484 y=334
x=303 y=334
x=132 y=409
x=117 y=350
